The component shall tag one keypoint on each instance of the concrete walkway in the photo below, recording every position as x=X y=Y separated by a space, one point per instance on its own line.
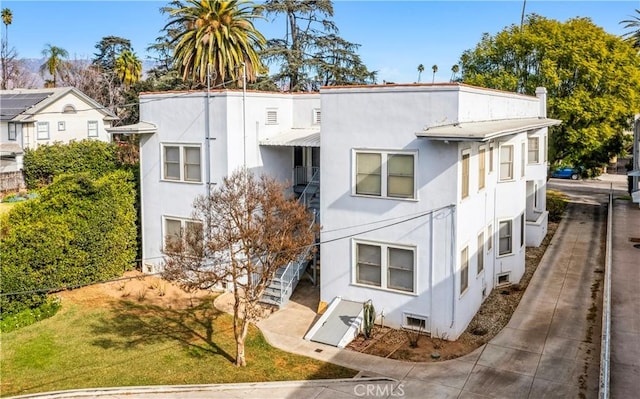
x=625 y=301
x=549 y=349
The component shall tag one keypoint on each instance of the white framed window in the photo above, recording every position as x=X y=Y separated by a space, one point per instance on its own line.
x=384 y=174
x=489 y=238
x=180 y=230
x=61 y=126
x=272 y=116
x=385 y=266
x=491 y=152
x=505 y=237
x=316 y=116
x=92 y=128
x=42 y=130
x=533 y=150
x=12 y=131
x=464 y=270
x=69 y=109
x=181 y=163
x=523 y=151
x=482 y=167
x=506 y=162
x=480 y=252
x=464 y=189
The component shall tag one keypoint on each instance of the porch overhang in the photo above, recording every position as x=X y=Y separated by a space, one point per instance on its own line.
x=485 y=130
x=303 y=137
x=137 y=128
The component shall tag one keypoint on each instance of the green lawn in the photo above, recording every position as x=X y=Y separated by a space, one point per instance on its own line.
x=98 y=343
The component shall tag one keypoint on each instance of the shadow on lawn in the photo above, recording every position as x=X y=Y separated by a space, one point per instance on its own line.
x=131 y=324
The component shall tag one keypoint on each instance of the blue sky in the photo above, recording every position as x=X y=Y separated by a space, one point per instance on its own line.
x=395 y=36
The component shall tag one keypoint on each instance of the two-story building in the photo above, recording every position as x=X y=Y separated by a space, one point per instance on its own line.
x=428 y=195
x=34 y=117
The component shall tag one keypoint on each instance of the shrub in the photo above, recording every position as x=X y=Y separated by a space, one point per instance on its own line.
x=46 y=162
x=78 y=231
x=29 y=316
x=556 y=204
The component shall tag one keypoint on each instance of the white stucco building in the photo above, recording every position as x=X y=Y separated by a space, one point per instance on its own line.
x=429 y=193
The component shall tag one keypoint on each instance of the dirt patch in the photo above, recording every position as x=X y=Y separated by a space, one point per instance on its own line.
x=137 y=287
x=493 y=315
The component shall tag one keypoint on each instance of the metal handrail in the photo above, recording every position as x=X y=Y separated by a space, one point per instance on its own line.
x=299 y=262
x=605 y=344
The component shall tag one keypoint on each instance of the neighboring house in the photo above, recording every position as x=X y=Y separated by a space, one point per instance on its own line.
x=429 y=193
x=634 y=173
x=33 y=117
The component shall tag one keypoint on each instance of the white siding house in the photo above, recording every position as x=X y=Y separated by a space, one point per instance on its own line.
x=429 y=193
x=433 y=191
x=34 y=117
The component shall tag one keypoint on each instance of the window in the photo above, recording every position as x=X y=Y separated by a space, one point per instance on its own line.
x=522 y=222
x=12 y=131
x=385 y=174
x=523 y=150
x=181 y=163
x=464 y=270
x=42 y=130
x=535 y=196
x=533 y=155
x=480 y=252
x=184 y=231
x=69 y=109
x=415 y=322
x=505 y=235
x=503 y=279
x=465 y=175
x=61 y=126
x=482 y=171
x=545 y=149
x=489 y=238
x=317 y=117
x=491 y=158
x=385 y=266
x=92 y=128
x=272 y=117
x=506 y=162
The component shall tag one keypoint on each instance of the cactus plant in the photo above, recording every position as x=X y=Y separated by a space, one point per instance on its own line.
x=369 y=318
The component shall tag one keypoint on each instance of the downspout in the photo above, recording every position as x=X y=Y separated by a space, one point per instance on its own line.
x=453 y=267
x=206 y=131
x=244 y=115
x=431 y=270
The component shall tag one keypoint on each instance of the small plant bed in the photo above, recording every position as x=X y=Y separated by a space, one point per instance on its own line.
x=494 y=314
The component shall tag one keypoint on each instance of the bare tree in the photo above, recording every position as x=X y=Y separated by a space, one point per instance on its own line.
x=241 y=233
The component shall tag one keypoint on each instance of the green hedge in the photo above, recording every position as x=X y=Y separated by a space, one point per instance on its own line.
x=556 y=204
x=78 y=231
x=48 y=161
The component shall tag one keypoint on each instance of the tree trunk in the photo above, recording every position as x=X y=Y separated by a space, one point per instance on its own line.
x=240 y=359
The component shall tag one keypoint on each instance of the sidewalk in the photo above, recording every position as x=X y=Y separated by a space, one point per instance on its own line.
x=625 y=301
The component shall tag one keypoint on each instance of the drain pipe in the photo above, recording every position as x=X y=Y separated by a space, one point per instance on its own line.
x=453 y=267
x=605 y=344
x=207 y=130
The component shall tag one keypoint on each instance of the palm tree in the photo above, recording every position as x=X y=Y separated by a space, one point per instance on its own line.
x=54 y=62
x=454 y=70
x=420 y=70
x=7 y=18
x=217 y=33
x=128 y=68
x=434 y=68
x=633 y=23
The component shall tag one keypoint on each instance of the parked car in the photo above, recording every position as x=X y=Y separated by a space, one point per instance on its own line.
x=567 y=172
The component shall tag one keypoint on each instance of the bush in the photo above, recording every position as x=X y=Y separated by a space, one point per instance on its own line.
x=78 y=231
x=29 y=316
x=556 y=204
x=46 y=162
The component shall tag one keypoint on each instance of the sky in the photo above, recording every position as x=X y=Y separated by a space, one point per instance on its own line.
x=395 y=36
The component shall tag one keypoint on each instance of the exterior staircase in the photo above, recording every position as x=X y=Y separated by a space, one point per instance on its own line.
x=286 y=278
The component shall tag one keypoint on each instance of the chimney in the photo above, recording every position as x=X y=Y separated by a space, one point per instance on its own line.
x=541 y=93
